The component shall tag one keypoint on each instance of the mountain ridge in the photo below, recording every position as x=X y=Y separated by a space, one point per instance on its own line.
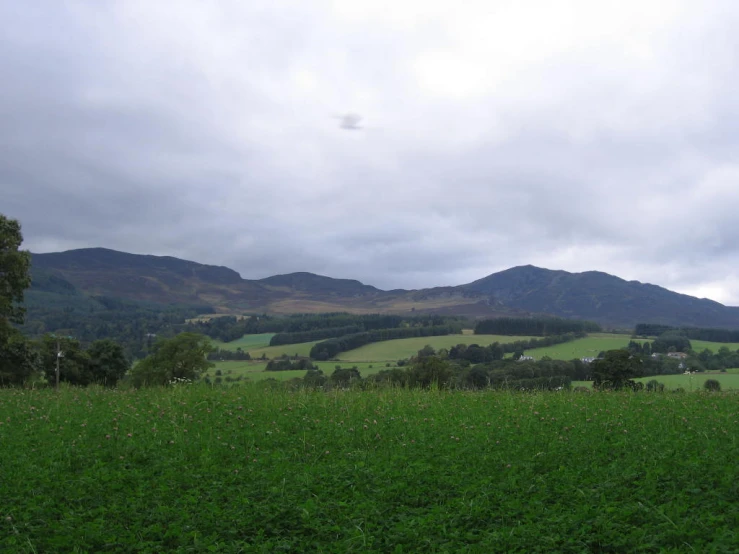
x=519 y=290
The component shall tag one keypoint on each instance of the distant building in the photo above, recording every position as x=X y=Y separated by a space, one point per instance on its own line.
x=588 y=360
x=677 y=355
x=526 y=359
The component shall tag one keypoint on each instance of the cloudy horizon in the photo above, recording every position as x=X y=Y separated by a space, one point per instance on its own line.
x=572 y=135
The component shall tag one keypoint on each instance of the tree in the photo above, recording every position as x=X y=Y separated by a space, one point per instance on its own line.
x=19 y=361
x=426 y=351
x=14 y=270
x=344 y=377
x=616 y=370
x=108 y=363
x=430 y=370
x=182 y=357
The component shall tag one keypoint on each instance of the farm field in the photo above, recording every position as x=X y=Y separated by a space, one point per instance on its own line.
x=397 y=349
x=247 y=343
x=256 y=469
x=700 y=345
x=589 y=347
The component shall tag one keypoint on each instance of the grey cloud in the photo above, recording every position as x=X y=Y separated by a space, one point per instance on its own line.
x=206 y=132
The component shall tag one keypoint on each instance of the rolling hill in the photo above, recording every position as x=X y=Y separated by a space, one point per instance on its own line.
x=523 y=290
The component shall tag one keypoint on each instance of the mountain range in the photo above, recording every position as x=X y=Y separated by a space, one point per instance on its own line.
x=523 y=290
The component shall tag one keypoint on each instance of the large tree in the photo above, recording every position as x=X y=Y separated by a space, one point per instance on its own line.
x=15 y=265
x=181 y=357
x=18 y=362
x=108 y=363
x=616 y=370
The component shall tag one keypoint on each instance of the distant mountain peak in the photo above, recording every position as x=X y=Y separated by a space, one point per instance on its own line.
x=520 y=290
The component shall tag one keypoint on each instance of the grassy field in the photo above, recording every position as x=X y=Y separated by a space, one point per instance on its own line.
x=729 y=381
x=700 y=345
x=588 y=347
x=255 y=469
x=394 y=350
x=397 y=349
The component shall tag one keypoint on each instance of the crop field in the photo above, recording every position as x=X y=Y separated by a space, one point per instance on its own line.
x=259 y=469
x=397 y=349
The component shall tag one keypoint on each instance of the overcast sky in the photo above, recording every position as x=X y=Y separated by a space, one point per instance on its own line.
x=574 y=135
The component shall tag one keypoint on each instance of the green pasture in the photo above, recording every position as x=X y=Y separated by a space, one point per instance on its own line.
x=398 y=349
x=700 y=345
x=255 y=468
x=694 y=382
x=588 y=347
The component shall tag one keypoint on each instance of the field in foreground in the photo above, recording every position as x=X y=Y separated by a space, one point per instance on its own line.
x=254 y=469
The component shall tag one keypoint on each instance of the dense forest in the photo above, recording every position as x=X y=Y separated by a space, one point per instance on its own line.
x=534 y=326
x=133 y=325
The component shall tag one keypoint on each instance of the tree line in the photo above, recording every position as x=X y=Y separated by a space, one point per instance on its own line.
x=694 y=333
x=313 y=335
x=534 y=326
x=229 y=328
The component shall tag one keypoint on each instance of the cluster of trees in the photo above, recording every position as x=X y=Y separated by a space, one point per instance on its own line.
x=25 y=361
x=286 y=364
x=536 y=326
x=705 y=360
x=671 y=341
x=238 y=354
x=182 y=358
x=330 y=348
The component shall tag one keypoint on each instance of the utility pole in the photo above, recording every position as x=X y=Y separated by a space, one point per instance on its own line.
x=59 y=356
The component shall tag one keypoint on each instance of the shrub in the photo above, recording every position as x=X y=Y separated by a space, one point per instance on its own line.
x=712 y=385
